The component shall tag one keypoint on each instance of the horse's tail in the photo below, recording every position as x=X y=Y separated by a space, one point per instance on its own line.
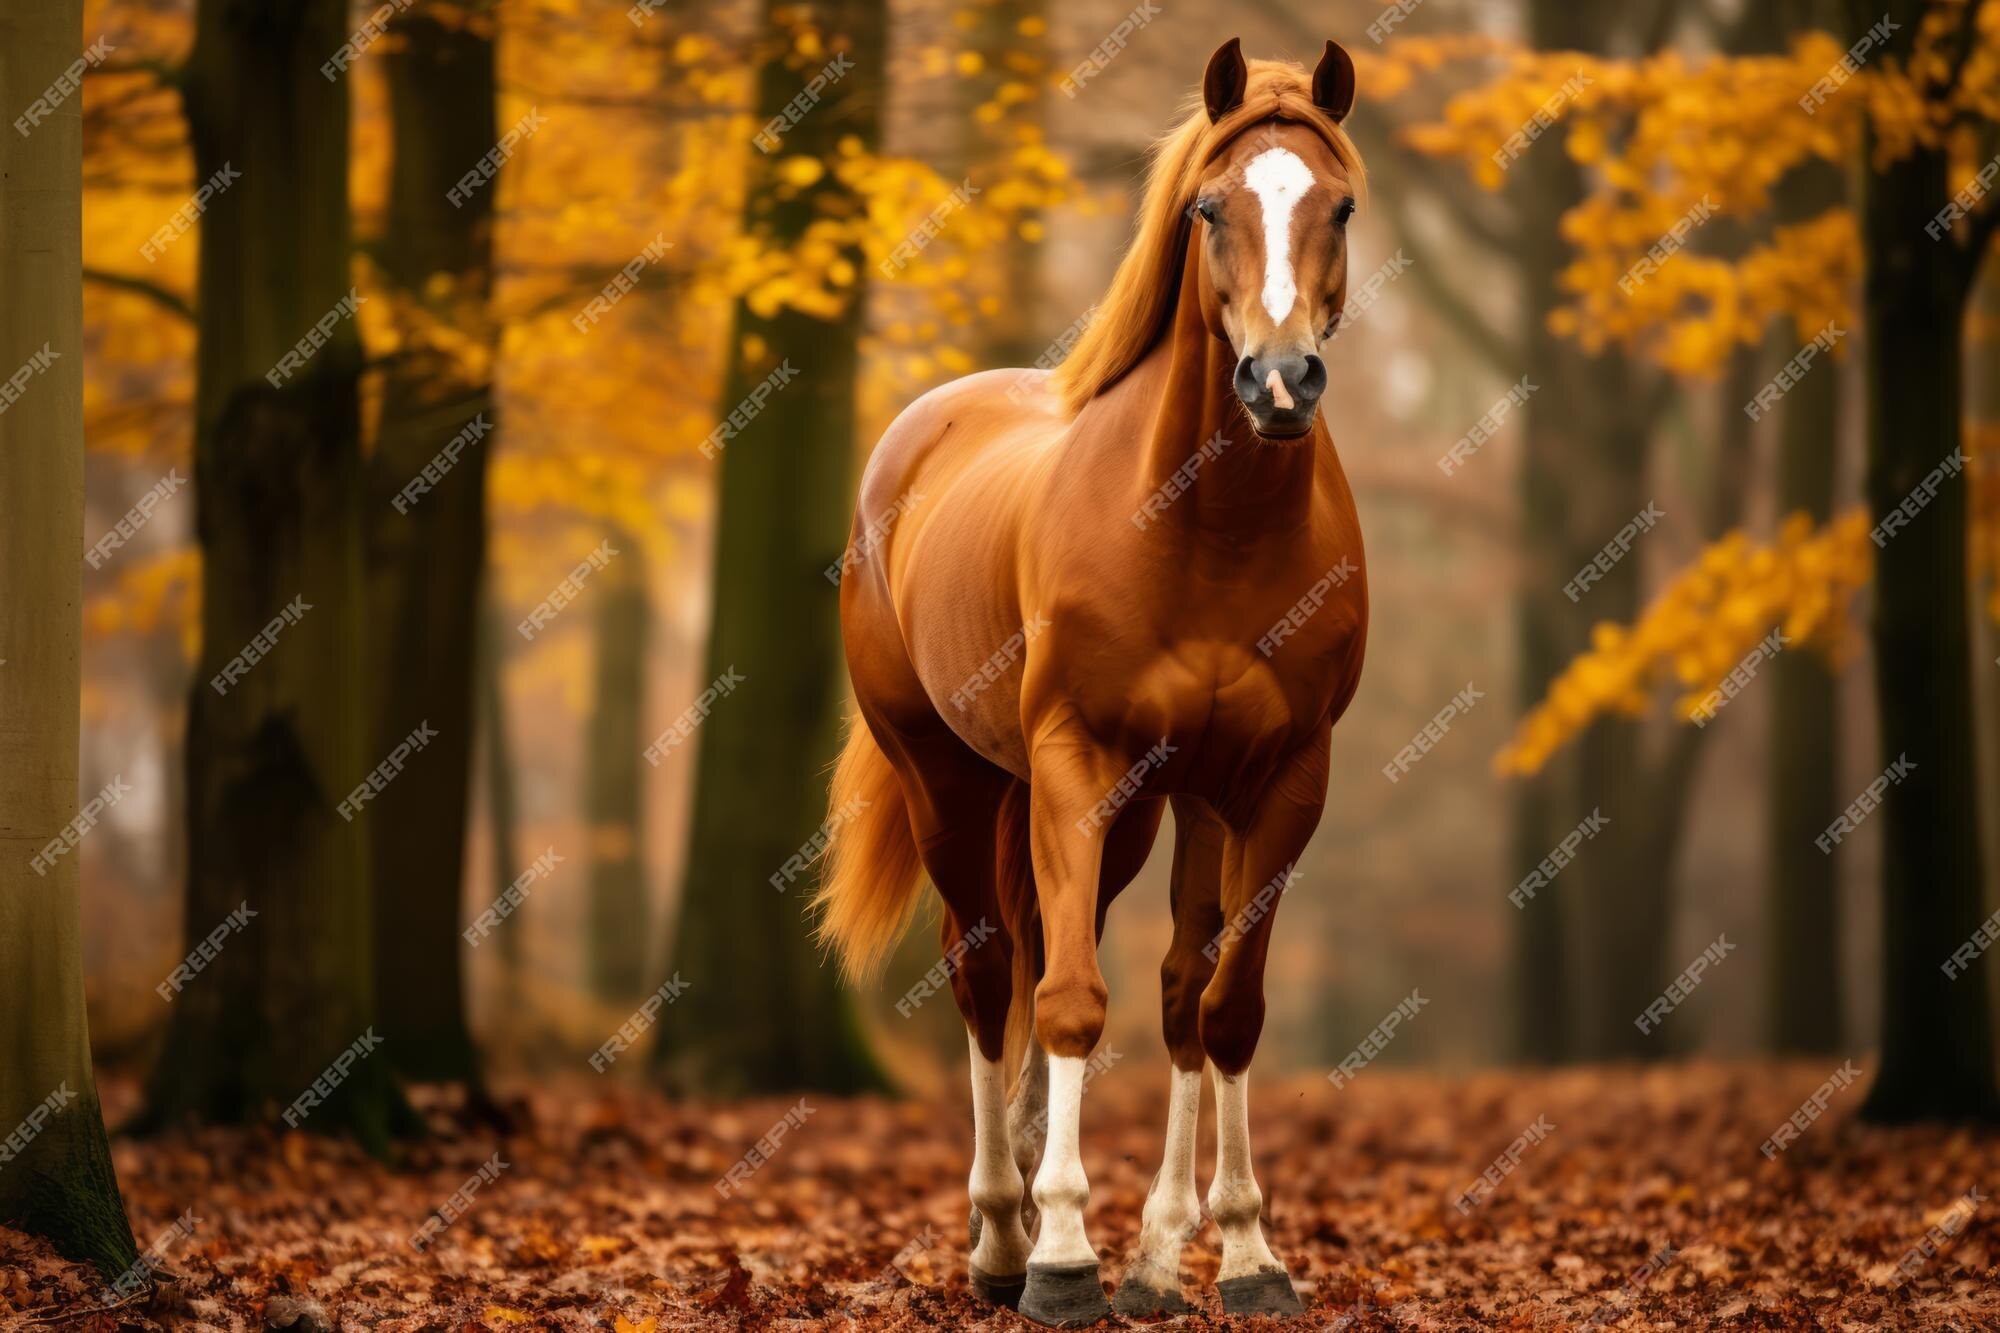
x=872 y=878
x=1014 y=878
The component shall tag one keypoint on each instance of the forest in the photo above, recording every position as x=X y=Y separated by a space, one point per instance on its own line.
x=430 y=441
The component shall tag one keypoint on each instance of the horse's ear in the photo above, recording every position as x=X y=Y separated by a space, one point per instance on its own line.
x=1222 y=86
x=1333 y=82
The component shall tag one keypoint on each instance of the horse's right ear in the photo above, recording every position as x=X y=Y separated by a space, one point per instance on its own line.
x=1222 y=86
x=1333 y=82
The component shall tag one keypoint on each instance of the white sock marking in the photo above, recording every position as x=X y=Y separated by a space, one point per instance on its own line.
x=1061 y=1188
x=1233 y=1197
x=996 y=1181
x=1173 y=1212
x=1279 y=178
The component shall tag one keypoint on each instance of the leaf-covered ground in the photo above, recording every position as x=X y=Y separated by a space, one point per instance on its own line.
x=600 y=1212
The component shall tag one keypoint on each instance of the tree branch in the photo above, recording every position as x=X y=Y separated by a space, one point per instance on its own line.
x=170 y=301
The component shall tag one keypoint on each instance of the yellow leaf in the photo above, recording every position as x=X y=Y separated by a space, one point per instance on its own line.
x=500 y=1314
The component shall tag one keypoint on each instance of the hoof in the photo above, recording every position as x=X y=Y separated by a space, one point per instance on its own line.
x=997 y=1290
x=974 y=1227
x=1136 y=1300
x=1064 y=1296
x=1267 y=1293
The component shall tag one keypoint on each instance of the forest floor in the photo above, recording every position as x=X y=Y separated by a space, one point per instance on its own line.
x=1639 y=1199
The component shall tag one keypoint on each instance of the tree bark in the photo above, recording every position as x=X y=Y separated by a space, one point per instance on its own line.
x=618 y=916
x=273 y=755
x=762 y=1011
x=425 y=559
x=1937 y=1048
x=59 y=1182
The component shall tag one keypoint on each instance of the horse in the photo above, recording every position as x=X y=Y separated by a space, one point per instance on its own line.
x=1078 y=597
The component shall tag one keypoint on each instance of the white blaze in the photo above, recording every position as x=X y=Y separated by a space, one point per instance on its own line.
x=1279 y=179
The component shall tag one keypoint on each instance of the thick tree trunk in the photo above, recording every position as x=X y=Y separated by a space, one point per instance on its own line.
x=275 y=750
x=426 y=553
x=58 y=1180
x=1937 y=1046
x=618 y=917
x=762 y=1011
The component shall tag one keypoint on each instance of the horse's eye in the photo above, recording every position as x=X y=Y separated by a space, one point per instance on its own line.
x=1204 y=209
x=1343 y=213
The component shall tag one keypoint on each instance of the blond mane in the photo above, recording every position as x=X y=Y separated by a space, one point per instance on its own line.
x=1133 y=314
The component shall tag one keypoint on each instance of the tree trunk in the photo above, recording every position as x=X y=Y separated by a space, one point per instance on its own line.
x=427 y=547
x=275 y=752
x=502 y=817
x=59 y=1183
x=762 y=1011
x=1937 y=1050
x=617 y=926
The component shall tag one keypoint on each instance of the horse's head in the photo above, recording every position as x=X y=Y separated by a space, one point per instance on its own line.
x=1273 y=209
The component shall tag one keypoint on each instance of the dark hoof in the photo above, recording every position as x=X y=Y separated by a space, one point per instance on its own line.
x=1136 y=1300
x=997 y=1290
x=1064 y=1295
x=1268 y=1293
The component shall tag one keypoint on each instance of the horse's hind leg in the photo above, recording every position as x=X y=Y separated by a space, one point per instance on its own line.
x=1151 y=1284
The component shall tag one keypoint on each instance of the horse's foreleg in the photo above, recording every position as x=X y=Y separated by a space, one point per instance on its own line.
x=1064 y=1289
x=1257 y=866
x=1151 y=1283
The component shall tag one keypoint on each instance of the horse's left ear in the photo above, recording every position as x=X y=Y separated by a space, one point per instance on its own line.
x=1333 y=82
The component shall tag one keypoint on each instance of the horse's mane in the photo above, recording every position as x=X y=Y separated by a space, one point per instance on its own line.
x=1133 y=314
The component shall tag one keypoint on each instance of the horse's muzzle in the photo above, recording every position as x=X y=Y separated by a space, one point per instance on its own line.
x=1281 y=393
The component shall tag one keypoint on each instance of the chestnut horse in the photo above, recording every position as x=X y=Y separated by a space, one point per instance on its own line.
x=1076 y=598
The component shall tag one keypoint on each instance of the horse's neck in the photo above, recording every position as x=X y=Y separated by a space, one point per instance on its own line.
x=1232 y=485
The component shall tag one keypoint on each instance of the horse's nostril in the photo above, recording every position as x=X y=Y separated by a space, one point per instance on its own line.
x=1248 y=383
x=1313 y=383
